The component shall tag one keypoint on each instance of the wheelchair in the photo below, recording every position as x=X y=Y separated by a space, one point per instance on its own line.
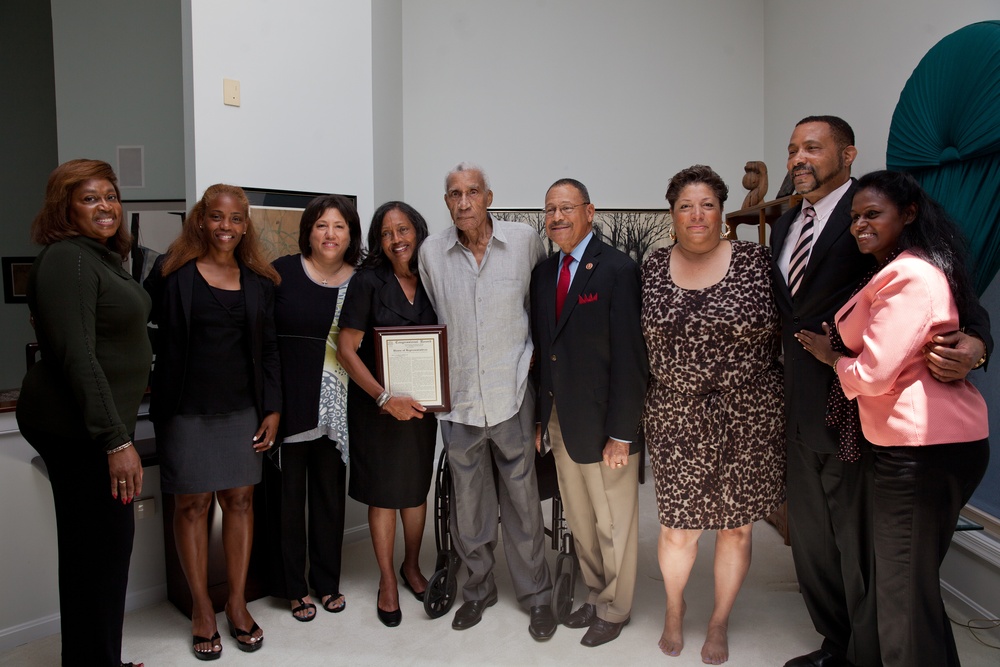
x=442 y=587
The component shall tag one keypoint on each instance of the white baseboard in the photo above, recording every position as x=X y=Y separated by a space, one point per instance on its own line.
x=45 y=626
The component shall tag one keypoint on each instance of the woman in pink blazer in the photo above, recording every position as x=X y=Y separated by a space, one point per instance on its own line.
x=929 y=437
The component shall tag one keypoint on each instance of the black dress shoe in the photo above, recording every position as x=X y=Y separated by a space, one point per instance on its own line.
x=601 y=632
x=543 y=623
x=390 y=619
x=471 y=612
x=818 y=658
x=582 y=617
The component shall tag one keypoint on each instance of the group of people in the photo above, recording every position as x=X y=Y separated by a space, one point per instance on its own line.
x=867 y=424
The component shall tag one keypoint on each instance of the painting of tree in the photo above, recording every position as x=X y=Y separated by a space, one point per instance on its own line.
x=636 y=232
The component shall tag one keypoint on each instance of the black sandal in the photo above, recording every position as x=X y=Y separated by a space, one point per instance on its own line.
x=330 y=605
x=304 y=606
x=210 y=654
x=246 y=647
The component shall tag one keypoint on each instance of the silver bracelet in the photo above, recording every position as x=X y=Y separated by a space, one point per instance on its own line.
x=120 y=448
x=382 y=399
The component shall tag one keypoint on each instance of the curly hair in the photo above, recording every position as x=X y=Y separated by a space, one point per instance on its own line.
x=932 y=235
x=315 y=210
x=191 y=244
x=375 y=255
x=693 y=175
x=53 y=222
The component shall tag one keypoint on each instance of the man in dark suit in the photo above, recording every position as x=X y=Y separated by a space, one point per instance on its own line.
x=816 y=267
x=591 y=362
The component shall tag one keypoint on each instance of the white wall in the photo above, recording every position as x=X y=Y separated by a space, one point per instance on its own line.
x=619 y=95
x=850 y=59
x=305 y=72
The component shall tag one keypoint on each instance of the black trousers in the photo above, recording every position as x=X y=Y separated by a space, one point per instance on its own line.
x=94 y=533
x=919 y=492
x=829 y=517
x=312 y=470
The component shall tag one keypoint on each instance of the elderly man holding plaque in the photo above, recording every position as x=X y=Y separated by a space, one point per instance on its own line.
x=477 y=275
x=392 y=437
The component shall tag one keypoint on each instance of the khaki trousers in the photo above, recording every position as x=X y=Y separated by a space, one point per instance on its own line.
x=601 y=506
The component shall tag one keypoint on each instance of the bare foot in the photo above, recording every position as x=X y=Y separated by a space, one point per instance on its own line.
x=672 y=640
x=716 y=648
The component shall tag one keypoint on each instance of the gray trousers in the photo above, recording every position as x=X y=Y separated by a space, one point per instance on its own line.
x=474 y=529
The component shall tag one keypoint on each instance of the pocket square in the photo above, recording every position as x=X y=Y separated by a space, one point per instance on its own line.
x=587 y=298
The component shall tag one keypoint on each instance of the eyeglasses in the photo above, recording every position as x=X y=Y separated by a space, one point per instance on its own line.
x=565 y=209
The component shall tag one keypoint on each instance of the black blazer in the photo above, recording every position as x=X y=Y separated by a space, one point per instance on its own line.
x=592 y=361
x=835 y=268
x=171 y=313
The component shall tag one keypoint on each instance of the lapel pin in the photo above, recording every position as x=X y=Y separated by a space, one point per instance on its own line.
x=590 y=265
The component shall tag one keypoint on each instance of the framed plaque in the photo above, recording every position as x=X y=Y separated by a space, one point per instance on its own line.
x=413 y=361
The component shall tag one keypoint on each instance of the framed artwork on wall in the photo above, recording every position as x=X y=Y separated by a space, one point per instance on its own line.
x=635 y=231
x=276 y=215
x=15 y=278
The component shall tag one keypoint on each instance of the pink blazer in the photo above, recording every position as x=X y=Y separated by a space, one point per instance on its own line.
x=887 y=323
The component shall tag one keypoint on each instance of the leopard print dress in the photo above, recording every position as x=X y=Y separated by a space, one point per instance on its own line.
x=714 y=418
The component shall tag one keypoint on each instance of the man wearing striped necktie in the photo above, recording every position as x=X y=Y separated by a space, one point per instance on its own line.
x=816 y=266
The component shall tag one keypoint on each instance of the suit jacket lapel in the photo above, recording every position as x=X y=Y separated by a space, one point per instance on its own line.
x=547 y=291
x=836 y=226
x=589 y=262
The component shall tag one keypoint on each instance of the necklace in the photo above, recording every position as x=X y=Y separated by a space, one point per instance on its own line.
x=324 y=280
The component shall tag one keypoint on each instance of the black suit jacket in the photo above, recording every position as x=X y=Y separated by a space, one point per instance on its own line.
x=592 y=361
x=835 y=268
x=171 y=313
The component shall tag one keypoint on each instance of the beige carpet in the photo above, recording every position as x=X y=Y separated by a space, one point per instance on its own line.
x=769 y=624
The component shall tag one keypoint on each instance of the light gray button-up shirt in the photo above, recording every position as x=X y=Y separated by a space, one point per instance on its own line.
x=486 y=309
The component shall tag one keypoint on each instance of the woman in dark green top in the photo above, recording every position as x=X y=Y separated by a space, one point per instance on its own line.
x=78 y=404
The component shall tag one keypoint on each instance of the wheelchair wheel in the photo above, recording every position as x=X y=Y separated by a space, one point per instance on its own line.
x=563 y=589
x=440 y=593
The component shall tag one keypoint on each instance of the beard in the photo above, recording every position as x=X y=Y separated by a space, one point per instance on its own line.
x=818 y=180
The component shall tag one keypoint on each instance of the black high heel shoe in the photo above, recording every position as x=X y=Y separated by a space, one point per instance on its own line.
x=390 y=619
x=210 y=654
x=406 y=584
x=245 y=646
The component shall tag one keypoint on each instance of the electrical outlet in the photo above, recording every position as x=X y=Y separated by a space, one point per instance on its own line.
x=145 y=507
x=231 y=92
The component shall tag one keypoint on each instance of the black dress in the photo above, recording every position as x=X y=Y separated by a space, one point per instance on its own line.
x=391 y=460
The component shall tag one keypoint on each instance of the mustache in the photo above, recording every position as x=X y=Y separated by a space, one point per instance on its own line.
x=803 y=169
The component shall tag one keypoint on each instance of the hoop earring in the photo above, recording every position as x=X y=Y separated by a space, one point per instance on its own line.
x=671 y=232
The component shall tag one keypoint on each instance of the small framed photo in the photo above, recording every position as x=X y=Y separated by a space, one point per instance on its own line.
x=413 y=361
x=15 y=278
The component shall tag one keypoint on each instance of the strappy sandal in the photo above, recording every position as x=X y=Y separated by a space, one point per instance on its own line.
x=202 y=654
x=308 y=607
x=329 y=603
x=245 y=646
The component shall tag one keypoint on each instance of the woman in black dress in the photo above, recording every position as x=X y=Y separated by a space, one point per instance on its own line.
x=392 y=454
x=216 y=396
x=314 y=445
x=78 y=404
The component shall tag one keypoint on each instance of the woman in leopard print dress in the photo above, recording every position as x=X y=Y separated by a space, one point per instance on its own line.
x=714 y=419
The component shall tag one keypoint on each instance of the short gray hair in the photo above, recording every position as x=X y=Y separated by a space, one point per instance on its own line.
x=468 y=166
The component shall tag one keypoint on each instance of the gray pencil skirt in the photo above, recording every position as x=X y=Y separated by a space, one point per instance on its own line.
x=202 y=453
